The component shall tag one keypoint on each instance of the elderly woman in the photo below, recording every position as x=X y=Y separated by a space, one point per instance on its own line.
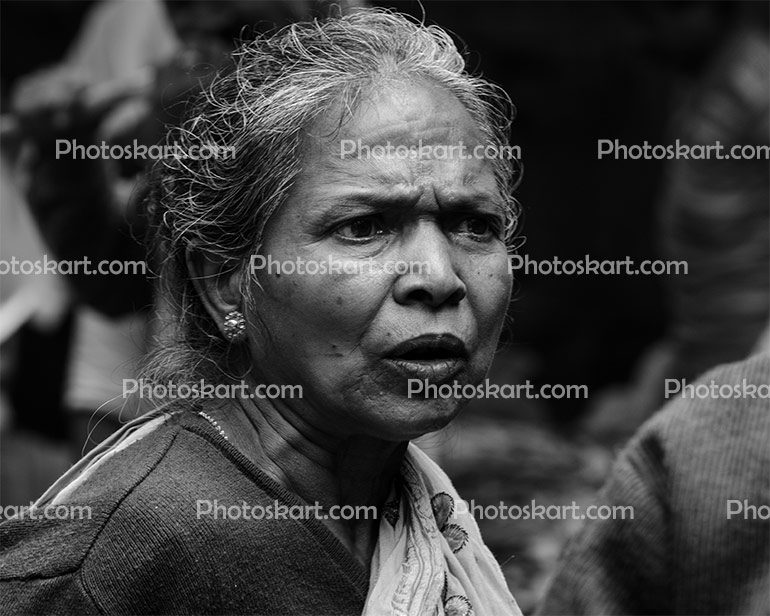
x=235 y=504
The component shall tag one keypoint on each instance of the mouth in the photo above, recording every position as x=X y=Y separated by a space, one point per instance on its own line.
x=435 y=357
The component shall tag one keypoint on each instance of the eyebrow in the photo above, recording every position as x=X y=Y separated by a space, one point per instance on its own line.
x=376 y=202
x=408 y=199
x=471 y=200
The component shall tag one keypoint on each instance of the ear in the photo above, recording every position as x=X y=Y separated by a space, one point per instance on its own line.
x=217 y=284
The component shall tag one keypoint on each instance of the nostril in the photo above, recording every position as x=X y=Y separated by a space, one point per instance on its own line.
x=436 y=299
x=421 y=296
x=456 y=297
x=437 y=286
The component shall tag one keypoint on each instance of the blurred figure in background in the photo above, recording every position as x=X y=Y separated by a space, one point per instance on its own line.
x=697 y=539
x=31 y=307
x=716 y=213
x=35 y=314
x=715 y=216
x=128 y=73
x=100 y=92
x=696 y=474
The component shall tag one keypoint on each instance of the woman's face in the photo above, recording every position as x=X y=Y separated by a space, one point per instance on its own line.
x=354 y=337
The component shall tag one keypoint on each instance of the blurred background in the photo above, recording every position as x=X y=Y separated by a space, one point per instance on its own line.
x=577 y=72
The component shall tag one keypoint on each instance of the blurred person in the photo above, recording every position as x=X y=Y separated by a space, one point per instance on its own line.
x=698 y=542
x=98 y=91
x=716 y=213
x=714 y=216
x=30 y=305
x=688 y=468
x=35 y=310
x=132 y=69
x=350 y=341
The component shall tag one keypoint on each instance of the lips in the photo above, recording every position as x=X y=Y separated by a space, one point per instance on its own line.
x=435 y=357
x=429 y=347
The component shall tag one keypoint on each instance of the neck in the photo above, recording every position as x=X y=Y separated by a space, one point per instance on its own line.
x=320 y=467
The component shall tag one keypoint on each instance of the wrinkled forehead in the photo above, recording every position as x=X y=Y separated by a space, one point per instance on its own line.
x=400 y=132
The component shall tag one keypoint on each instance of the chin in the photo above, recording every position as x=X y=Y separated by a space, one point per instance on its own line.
x=406 y=420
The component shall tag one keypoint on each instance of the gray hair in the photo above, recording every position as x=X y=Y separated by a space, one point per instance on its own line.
x=262 y=108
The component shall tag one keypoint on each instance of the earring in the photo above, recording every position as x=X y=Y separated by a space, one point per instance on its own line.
x=235 y=326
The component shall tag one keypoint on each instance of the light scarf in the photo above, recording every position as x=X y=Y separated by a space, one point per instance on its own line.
x=430 y=559
x=64 y=487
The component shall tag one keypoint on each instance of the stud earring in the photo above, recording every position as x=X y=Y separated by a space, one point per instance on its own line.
x=235 y=326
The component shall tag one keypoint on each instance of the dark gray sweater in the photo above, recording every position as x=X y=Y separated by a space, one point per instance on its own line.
x=682 y=553
x=144 y=550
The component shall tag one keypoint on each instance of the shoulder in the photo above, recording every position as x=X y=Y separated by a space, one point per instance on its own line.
x=703 y=452
x=724 y=413
x=126 y=523
x=167 y=530
x=54 y=539
x=708 y=444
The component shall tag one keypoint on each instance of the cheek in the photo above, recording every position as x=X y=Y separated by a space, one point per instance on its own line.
x=489 y=291
x=323 y=305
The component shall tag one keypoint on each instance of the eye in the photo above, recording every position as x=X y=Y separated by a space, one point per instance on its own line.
x=478 y=228
x=361 y=229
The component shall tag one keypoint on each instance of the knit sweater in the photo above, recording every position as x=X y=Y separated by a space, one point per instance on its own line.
x=689 y=549
x=145 y=549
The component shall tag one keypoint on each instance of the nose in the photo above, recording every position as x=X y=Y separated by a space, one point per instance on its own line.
x=431 y=278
